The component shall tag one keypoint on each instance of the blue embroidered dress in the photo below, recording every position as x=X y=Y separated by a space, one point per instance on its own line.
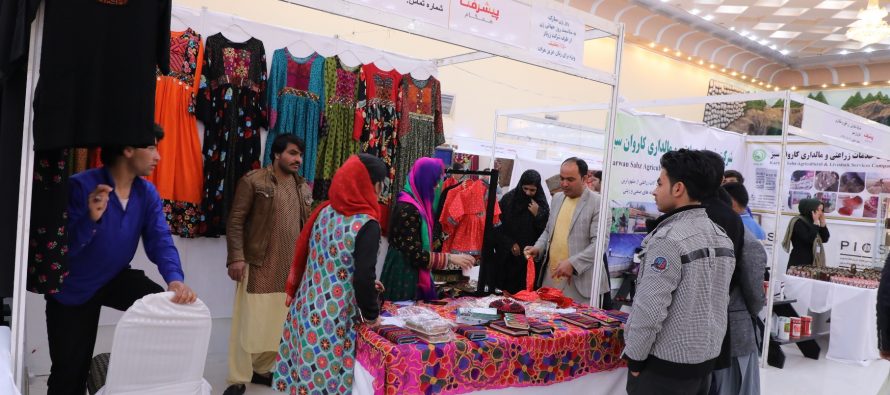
x=296 y=93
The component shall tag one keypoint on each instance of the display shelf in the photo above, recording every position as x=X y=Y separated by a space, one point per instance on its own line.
x=784 y=302
x=794 y=340
x=807 y=345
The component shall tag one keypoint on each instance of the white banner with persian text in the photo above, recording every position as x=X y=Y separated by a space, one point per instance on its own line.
x=640 y=140
x=431 y=11
x=845 y=130
x=505 y=21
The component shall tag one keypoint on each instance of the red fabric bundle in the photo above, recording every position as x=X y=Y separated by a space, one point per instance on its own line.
x=525 y=296
x=556 y=296
x=507 y=306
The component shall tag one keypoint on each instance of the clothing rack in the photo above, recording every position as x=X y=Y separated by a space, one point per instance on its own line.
x=486 y=284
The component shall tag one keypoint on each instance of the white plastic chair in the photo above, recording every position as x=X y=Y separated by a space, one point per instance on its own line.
x=160 y=348
x=7 y=383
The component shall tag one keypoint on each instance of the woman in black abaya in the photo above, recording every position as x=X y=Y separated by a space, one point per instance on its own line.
x=524 y=213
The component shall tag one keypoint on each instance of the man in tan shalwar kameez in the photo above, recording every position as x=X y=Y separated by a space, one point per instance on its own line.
x=268 y=212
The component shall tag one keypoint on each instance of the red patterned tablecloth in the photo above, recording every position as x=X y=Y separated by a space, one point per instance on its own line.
x=500 y=361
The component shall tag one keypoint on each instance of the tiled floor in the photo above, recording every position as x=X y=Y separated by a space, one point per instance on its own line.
x=801 y=376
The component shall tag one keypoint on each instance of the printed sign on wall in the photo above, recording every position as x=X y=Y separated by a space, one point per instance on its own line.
x=557 y=37
x=851 y=185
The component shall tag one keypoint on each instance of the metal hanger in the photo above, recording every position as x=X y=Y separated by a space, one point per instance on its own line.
x=235 y=24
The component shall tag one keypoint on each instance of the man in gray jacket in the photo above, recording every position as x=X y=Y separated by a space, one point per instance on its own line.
x=567 y=247
x=746 y=300
x=676 y=328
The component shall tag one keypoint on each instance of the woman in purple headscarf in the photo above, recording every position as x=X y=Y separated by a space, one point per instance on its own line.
x=406 y=271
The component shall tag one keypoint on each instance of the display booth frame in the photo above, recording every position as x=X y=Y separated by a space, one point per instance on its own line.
x=821 y=134
x=482 y=47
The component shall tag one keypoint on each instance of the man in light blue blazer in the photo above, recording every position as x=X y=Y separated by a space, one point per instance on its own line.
x=566 y=251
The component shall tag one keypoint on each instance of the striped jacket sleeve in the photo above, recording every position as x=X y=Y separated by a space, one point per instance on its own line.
x=659 y=277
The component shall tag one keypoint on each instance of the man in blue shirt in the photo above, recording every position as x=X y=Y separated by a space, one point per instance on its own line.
x=739 y=195
x=109 y=210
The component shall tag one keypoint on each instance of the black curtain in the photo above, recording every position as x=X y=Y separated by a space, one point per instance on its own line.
x=15 y=30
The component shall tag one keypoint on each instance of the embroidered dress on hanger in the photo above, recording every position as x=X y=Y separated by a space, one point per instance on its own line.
x=232 y=105
x=296 y=91
x=377 y=120
x=336 y=143
x=463 y=218
x=420 y=127
x=179 y=176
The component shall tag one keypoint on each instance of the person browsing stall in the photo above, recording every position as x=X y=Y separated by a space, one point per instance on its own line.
x=567 y=247
x=527 y=211
x=269 y=209
x=806 y=234
x=739 y=195
x=332 y=283
x=109 y=210
x=595 y=180
x=683 y=283
x=883 y=321
x=410 y=257
x=733 y=176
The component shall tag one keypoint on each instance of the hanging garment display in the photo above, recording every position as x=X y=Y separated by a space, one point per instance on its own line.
x=377 y=119
x=232 y=105
x=420 y=125
x=48 y=240
x=179 y=175
x=82 y=159
x=296 y=93
x=336 y=143
x=14 y=40
x=463 y=218
x=97 y=72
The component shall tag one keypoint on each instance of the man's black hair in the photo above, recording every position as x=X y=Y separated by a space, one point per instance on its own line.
x=282 y=141
x=695 y=169
x=598 y=174
x=716 y=162
x=738 y=192
x=582 y=165
x=110 y=154
x=734 y=174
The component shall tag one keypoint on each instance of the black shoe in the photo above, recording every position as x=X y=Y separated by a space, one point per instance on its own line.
x=261 y=380
x=235 y=389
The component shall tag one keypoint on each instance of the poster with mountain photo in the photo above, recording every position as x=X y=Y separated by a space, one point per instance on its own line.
x=764 y=117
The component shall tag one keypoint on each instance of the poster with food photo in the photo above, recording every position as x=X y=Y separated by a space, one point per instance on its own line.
x=826 y=181
x=852 y=182
x=850 y=205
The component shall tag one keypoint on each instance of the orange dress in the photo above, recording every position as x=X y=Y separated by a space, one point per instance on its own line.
x=179 y=176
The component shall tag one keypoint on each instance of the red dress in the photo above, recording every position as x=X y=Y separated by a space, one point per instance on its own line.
x=463 y=218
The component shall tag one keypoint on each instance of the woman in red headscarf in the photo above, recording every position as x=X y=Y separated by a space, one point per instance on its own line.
x=332 y=281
